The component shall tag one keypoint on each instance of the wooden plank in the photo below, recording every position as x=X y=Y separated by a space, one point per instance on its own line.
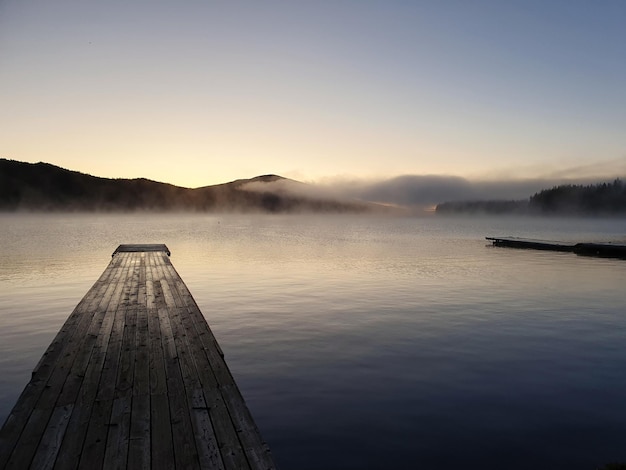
x=108 y=380
x=225 y=429
x=134 y=379
x=184 y=445
x=206 y=442
x=76 y=375
x=129 y=248
x=96 y=291
x=158 y=381
x=57 y=373
x=209 y=447
x=23 y=454
x=162 y=448
x=97 y=432
x=69 y=454
x=257 y=451
x=21 y=413
x=139 y=440
x=224 y=433
x=71 y=448
x=126 y=365
x=92 y=454
x=176 y=400
x=208 y=450
x=141 y=383
x=52 y=438
x=191 y=354
x=116 y=452
x=185 y=361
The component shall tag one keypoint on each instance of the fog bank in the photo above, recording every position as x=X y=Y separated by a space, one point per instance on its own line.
x=429 y=190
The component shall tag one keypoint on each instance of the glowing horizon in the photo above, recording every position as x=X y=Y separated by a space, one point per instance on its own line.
x=205 y=93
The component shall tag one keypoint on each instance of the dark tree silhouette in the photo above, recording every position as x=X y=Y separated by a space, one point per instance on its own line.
x=594 y=199
x=602 y=198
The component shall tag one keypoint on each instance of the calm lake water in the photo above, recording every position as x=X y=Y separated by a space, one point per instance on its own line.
x=368 y=342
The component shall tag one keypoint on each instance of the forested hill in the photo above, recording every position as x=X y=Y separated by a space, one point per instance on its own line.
x=45 y=187
x=594 y=199
x=604 y=198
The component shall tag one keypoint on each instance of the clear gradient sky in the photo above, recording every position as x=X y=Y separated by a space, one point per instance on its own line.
x=203 y=92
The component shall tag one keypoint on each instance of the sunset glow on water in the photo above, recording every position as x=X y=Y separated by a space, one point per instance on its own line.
x=361 y=342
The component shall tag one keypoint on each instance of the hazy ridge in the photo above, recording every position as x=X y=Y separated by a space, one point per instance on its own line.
x=45 y=187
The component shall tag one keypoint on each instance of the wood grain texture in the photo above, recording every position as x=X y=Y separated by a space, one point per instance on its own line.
x=134 y=379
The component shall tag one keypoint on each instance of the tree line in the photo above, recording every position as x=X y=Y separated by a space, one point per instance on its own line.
x=603 y=198
x=593 y=199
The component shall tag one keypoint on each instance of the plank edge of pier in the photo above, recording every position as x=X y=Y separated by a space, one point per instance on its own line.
x=142 y=247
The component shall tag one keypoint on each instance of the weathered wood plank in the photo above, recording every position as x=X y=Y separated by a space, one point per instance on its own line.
x=225 y=428
x=158 y=381
x=162 y=447
x=179 y=420
x=108 y=276
x=92 y=455
x=52 y=438
x=116 y=452
x=184 y=444
x=126 y=366
x=21 y=413
x=139 y=440
x=257 y=451
x=57 y=373
x=141 y=248
x=141 y=384
x=71 y=448
x=23 y=454
x=98 y=429
x=70 y=452
x=81 y=360
x=206 y=443
x=108 y=380
x=194 y=364
x=134 y=379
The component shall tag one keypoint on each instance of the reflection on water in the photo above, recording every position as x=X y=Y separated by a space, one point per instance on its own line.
x=368 y=342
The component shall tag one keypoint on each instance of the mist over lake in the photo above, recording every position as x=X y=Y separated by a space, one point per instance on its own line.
x=368 y=341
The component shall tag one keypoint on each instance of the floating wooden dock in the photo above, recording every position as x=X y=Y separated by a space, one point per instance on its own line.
x=135 y=379
x=604 y=250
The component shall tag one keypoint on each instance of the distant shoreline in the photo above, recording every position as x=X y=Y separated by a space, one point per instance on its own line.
x=42 y=187
x=602 y=199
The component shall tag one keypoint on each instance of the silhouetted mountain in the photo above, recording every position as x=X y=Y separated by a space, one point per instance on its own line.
x=594 y=199
x=45 y=187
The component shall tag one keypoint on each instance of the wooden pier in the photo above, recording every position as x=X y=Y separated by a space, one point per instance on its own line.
x=134 y=379
x=603 y=250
